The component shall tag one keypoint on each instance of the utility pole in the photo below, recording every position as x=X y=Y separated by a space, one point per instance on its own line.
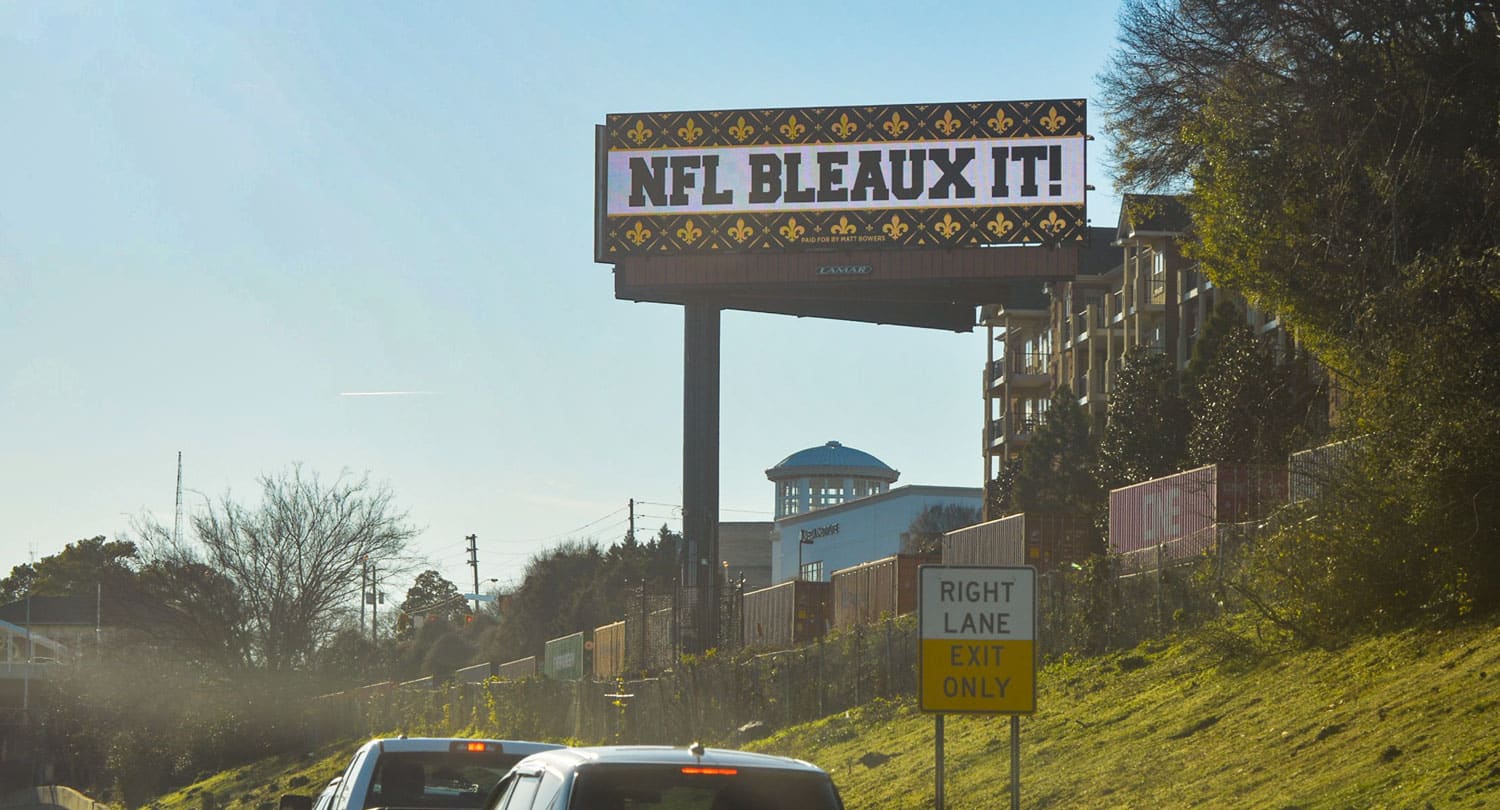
x=26 y=673
x=177 y=521
x=374 y=603
x=632 y=520
x=364 y=589
x=474 y=563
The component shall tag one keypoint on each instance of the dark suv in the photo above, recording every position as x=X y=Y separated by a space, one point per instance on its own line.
x=641 y=777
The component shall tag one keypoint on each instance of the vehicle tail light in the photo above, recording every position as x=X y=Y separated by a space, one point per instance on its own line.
x=703 y=771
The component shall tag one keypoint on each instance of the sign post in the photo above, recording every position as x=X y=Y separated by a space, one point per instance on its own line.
x=977 y=633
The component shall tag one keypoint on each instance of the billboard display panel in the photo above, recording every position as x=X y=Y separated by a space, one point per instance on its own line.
x=965 y=174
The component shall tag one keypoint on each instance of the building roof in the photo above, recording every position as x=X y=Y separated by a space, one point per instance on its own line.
x=1152 y=215
x=899 y=493
x=1027 y=294
x=53 y=610
x=1100 y=254
x=832 y=459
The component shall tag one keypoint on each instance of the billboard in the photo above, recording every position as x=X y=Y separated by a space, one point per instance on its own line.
x=964 y=174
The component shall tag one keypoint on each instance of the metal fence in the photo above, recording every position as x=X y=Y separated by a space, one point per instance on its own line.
x=1109 y=603
x=708 y=697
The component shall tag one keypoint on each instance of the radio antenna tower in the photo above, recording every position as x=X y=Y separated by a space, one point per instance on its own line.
x=177 y=521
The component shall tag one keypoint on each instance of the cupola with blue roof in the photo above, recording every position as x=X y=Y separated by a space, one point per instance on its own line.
x=827 y=475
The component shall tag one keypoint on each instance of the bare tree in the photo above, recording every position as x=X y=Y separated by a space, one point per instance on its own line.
x=925 y=534
x=296 y=558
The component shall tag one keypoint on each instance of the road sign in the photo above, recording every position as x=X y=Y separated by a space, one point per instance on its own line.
x=479 y=597
x=977 y=626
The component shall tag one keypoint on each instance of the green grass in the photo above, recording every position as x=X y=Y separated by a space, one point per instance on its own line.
x=259 y=785
x=1213 y=719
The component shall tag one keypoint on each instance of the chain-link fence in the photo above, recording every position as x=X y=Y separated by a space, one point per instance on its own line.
x=703 y=697
x=1088 y=608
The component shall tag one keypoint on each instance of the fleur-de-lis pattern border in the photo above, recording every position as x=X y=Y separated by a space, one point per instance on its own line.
x=809 y=230
x=662 y=234
x=904 y=122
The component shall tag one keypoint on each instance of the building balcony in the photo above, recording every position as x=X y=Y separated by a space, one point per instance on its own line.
x=1089 y=387
x=1093 y=323
x=1022 y=371
x=1021 y=429
x=1026 y=370
x=1116 y=308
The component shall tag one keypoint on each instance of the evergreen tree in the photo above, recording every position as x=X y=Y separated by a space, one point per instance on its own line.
x=1232 y=403
x=1057 y=465
x=432 y=597
x=80 y=569
x=1146 y=435
x=1000 y=491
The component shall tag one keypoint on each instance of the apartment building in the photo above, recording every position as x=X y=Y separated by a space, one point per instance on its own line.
x=1134 y=288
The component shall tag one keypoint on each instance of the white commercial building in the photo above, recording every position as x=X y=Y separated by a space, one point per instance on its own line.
x=835 y=508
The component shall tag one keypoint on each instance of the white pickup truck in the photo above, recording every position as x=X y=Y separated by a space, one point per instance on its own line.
x=421 y=773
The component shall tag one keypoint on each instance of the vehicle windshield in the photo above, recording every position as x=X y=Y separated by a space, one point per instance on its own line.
x=438 y=779
x=667 y=787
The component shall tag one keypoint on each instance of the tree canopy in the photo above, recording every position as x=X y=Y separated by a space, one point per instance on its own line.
x=925 y=533
x=78 y=570
x=295 y=558
x=431 y=597
x=1330 y=147
x=1057 y=465
x=1343 y=163
x=1146 y=436
x=576 y=586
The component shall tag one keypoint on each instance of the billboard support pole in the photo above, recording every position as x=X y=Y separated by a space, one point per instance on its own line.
x=700 y=468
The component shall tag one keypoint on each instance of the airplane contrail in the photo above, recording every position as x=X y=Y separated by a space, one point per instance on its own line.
x=385 y=393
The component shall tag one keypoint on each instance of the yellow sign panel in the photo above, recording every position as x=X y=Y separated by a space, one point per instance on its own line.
x=988 y=676
x=978 y=639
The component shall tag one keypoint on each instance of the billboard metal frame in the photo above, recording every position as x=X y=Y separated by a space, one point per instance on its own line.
x=945 y=175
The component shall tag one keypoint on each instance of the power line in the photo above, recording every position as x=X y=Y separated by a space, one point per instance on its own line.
x=573 y=531
x=598 y=533
x=678 y=506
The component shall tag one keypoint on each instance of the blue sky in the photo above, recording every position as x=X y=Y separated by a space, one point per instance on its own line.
x=216 y=218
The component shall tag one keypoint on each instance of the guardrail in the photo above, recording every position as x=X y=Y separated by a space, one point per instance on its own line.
x=18 y=670
x=56 y=796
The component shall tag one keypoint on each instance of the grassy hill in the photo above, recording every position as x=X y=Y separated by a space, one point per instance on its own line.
x=1405 y=720
x=1213 y=719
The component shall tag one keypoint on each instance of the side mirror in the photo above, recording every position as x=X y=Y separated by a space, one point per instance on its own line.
x=294 y=801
